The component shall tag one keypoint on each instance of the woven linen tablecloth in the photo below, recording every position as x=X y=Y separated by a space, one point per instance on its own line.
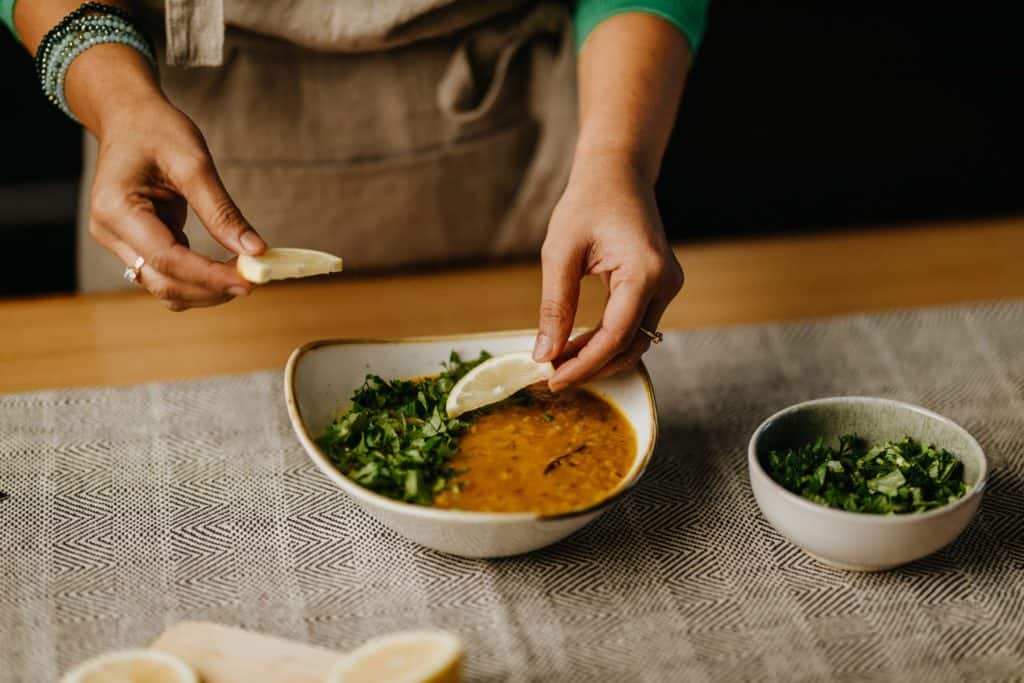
x=131 y=509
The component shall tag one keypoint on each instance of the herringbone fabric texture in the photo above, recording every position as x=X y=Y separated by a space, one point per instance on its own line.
x=131 y=509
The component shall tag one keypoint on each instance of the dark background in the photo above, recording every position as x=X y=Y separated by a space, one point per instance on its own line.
x=797 y=116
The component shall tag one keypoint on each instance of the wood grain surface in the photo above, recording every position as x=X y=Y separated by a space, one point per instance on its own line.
x=126 y=338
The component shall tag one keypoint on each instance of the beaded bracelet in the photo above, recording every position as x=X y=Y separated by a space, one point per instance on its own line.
x=78 y=32
x=61 y=29
x=88 y=32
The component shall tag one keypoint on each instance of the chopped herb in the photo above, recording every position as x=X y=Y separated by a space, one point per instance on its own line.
x=894 y=477
x=548 y=417
x=396 y=438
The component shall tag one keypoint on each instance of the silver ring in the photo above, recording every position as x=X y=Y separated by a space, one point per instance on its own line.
x=131 y=273
x=655 y=336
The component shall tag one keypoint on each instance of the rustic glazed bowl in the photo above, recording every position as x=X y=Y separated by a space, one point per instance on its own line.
x=321 y=376
x=854 y=540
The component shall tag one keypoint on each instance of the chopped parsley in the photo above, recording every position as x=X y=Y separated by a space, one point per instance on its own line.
x=396 y=438
x=893 y=477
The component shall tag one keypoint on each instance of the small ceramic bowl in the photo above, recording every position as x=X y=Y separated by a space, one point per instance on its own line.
x=853 y=540
x=321 y=376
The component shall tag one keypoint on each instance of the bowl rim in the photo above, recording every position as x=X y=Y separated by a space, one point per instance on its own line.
x=754 y=465
x=402 y=507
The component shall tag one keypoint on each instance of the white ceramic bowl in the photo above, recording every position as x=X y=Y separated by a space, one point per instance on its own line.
x=852 y=540
x=321 y=376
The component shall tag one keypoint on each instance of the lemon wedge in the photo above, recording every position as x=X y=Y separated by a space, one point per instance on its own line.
x=132 y=666
x=494 y=380
x=279 y=264
x=406 y=657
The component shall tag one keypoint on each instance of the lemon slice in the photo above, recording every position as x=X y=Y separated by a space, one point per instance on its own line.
x=406 y=657
x=494 y=380
x=132 y=666
x=279 y=264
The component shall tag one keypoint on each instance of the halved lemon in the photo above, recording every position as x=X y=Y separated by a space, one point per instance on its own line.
x=406 y=657
x=283 y=263
x=132 y=666
x=494 y=380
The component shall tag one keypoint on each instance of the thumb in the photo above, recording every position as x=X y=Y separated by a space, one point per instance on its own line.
x=207 y=196
x=561 y=269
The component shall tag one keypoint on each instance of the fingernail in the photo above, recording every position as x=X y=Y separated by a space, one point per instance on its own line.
x=251 y=241
x=237 y=291
x=542 y=348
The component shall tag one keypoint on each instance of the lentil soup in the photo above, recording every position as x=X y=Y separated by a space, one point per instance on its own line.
x=549 y=454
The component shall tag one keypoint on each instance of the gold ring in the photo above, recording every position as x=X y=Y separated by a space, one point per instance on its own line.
x=655 y=336
x=131 y=273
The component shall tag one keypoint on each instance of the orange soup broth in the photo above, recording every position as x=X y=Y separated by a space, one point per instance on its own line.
x=556 y=453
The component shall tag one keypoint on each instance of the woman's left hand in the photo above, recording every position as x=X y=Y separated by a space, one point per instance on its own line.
x=606 y=223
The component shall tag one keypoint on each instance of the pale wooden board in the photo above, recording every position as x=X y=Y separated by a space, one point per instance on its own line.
x=224 y=654
x=106 y=339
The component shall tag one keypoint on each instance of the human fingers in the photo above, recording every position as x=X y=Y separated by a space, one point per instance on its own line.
x=201 y=186
x=173 y=294
x=652 y=318
x=561 y=268
x=574 y=345
x=623 y=313
x=134 y=222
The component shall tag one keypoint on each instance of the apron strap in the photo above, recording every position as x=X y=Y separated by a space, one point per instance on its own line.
x=462 y=94
x=473 y=85
x=195 y=32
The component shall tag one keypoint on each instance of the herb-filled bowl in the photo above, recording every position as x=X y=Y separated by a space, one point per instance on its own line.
x=322 y=378
x=868 y=503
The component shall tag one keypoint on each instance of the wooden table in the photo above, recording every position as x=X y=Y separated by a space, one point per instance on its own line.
x=126 y=338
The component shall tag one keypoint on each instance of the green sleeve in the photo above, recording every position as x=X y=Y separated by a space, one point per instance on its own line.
x=689 y=16
x=7 y=15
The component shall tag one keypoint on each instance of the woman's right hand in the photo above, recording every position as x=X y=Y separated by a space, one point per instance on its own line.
x=152 y=165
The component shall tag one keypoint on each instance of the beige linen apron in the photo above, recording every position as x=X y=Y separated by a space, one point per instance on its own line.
x=390 y=132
